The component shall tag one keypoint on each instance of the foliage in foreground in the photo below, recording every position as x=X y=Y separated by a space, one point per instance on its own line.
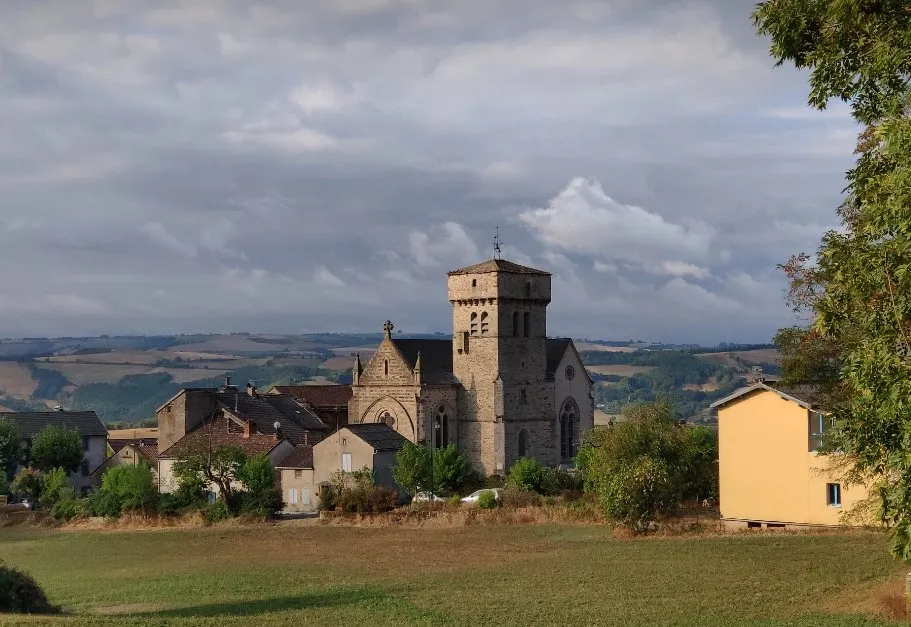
x=857 y=350
x=21 y=594
x=445 y=471
x=643 y=468
x=57 y=447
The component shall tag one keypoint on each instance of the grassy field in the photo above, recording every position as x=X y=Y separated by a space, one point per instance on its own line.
x=308 y=574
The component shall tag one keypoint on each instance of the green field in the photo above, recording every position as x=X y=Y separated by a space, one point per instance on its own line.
x=309 y=574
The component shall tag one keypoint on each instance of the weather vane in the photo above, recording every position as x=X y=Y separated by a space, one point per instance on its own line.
x=496 y=244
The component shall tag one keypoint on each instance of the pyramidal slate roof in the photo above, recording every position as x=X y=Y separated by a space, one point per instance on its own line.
x=498 y=265
x=29 y=424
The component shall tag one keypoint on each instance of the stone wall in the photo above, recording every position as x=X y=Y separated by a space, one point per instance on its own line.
x=181 y=415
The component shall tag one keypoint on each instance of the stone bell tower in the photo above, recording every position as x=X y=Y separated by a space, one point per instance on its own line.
x=499 y=355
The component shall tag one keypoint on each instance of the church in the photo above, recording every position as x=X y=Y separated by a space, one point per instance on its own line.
x=499 y=390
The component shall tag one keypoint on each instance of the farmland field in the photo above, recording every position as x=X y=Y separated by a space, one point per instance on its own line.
x=16 y=379
x=620 y=369
x=310 y=574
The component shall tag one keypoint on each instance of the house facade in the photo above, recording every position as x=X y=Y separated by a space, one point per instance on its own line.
x=499 y=388
x=771 y=473
x=371 y=445
x=86 y=423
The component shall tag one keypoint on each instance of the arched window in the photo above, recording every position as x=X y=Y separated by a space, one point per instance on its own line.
x=525 y=323
x=523 y=443
x=441 y=428
x=388 y=419
x=474 y=323
x=385 y=367
x=569 y=430
x=515 y=324
x=484 y=323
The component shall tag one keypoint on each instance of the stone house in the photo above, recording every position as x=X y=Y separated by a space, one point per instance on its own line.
x=130 y=453
x=499 y=389
x=86 y=423
x=270 y=424
x=296 y=479
x=354 y=447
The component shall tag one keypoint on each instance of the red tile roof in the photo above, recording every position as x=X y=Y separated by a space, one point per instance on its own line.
x=317 y=395
x=216 y=434
x=300 y=457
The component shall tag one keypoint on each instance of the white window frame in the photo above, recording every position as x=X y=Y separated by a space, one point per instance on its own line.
x=836 y=502
x=346 y=462
x=292 y=496
x=305 y=496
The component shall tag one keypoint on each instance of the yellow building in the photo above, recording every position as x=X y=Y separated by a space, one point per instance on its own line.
x=770 y=471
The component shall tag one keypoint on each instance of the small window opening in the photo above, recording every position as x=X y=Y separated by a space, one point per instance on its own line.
x=833 y=494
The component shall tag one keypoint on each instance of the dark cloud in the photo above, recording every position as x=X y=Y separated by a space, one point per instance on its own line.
x=216 y=165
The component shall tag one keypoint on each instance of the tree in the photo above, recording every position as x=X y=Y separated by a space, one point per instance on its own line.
x=451 y=470
x=55 y=485
x=126 y=489
x=643 y=467
x=412 y=468
x=27 y=484
x=220 y=466
x=10 y=448
x=261 y=495
x=858 y=293
x=57 y=447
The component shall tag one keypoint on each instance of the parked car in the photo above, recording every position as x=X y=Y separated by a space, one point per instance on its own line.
x=474 y=496
x=426 y=497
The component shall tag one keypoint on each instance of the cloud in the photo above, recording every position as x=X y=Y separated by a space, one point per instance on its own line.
x=274 y=166
x=583 y=219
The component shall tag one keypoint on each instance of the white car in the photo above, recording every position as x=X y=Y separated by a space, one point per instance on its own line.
x=474 y=496
x=426 y=497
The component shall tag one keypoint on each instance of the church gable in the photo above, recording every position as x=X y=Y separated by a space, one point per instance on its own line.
x=387 y=367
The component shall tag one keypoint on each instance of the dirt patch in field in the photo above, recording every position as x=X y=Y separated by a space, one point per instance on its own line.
x=711 y=386
x=585 y=346
x=339 y=363
x=620 y=370
x=16 y=380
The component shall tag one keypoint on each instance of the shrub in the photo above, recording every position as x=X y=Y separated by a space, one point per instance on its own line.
x=55 y=485
x=27 y=484
x=451 y=470
x=261 y=496
x=67 y=509
x=525 y=475
x=328 y=498
x=367 y=500
x=455 y=500
x=556 y=481
x=216 y=512
x=521 y=498
x=19 y=593
x=412 y=468
x=487 y=500
x=124 y=489
x=4 y=483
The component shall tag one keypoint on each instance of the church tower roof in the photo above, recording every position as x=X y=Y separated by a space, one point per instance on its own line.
x=498 y=265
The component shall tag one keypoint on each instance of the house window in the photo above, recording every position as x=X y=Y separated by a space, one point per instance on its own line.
x=298 y=474
x=819 y=426
x=292 y=496
x=484 y=323
x=441 y=428
x=346 y=462
x=305 y=496
x=474 y=323
x=569 y=430
x=526 y=324
x=523 y=443
x=833 y=494
x=515 y=324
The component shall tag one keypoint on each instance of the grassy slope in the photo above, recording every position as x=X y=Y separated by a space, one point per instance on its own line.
x=314 y=575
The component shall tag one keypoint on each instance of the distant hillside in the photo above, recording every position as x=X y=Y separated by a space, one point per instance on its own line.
x=125 y=379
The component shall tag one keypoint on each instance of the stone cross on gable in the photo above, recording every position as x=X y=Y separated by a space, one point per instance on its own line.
x=388 y=327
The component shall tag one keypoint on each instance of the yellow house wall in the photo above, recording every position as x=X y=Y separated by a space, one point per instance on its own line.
x=766 y=471
x=304 y=482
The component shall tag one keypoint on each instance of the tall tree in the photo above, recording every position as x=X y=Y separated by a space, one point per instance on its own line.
x=57 y=447
x=220 y=466
x=412 y=468
x=10 y=448
x=858 y=292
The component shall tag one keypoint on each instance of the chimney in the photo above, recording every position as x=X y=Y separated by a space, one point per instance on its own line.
x=249 y=428
x=251 y=390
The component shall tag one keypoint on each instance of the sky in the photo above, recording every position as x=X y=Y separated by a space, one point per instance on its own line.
x=285 y=167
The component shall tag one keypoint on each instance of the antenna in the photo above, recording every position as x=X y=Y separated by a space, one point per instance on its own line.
x=496 y=244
